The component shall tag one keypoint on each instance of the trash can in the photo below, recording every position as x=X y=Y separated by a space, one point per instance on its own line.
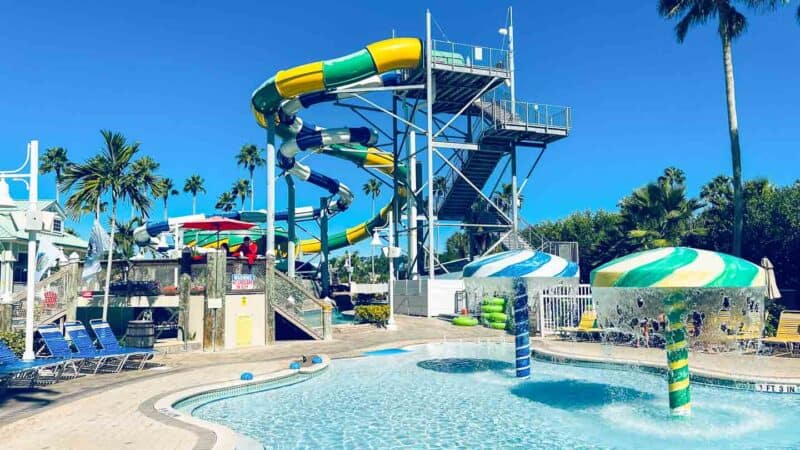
x=141 y=333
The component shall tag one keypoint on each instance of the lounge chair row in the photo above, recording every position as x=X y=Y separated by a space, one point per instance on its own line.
x=71 y=355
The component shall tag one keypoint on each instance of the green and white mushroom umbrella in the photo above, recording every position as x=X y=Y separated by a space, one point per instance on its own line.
x=678 y=267
x=717 y=294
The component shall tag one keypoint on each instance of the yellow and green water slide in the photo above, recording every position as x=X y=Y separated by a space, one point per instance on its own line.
x=675 y=274
x=281 y=97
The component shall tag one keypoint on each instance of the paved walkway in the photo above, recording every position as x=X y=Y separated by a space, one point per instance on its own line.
x=111 y=411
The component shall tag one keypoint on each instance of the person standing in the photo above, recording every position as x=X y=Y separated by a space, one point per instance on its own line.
x=249 y=250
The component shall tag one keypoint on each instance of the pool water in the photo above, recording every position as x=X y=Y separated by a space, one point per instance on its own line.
x=464 y=395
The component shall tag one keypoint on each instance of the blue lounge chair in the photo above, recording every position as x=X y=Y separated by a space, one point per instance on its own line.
x=59 y=348
x=25 y=373
x=108 y=342
x=101 y=359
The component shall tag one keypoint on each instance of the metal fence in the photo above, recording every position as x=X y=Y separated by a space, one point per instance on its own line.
x=562 y=306
x=465 y=55
x=506 y=112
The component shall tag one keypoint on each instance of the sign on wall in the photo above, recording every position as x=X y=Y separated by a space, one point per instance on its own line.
x=242 y=281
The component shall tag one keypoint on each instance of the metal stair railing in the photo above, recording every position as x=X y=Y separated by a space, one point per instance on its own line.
x=297 y=303
x=54 y=296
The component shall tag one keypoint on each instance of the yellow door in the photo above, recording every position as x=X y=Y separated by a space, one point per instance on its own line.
x=244 y=331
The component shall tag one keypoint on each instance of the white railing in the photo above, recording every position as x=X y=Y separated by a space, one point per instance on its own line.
x=562 y=306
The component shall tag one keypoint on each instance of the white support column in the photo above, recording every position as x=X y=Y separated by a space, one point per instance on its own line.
x=33 y=200
x=390 y=323
x=515 y=197
x=429 y=150
x=270 y=250
x=412 y=204
x=512 y=88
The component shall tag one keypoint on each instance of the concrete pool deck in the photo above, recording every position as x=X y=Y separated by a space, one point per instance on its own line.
x=733 y=366
x=117 y=411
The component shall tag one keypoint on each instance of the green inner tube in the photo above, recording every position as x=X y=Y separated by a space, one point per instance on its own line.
x=465 y=321
x=494 y=301
x=497 y=325
x=492 y=308
x=496 y=317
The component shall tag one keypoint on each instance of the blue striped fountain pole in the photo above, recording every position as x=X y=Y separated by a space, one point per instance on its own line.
x=522 y=329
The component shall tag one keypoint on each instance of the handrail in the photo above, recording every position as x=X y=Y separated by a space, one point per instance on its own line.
x=466 y=55
x=286 y=279
x=21 y=295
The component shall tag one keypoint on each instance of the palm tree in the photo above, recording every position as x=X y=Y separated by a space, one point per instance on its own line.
x=659 y=214
x=194 y=184
x=439 y=188
x=143 y=169
x=54 y=160
x=504 y=198
x=166 y=188
x=226 y=202
x=250 y=157
x=372 y=188
x=123 y=238
x=241 y=187
x=109 y=172
x=731 y=24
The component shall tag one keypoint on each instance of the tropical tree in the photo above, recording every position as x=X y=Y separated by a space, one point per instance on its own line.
x=54 y=160
x=372 y=188
x=250 y=157
x=225 y=202
x=123 y=238
x=659 y=214
x=241 y=187
x=109 y=172
x=504 y=198
x=166 y=188
x=194 y=184
x=144 y=170
x=731 y=24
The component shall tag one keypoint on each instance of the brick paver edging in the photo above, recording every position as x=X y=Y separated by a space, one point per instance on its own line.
x=212 y=435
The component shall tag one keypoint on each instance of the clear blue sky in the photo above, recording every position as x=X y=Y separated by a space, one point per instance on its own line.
x=177 y=77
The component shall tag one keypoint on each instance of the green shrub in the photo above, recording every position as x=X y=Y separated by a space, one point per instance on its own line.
x=774 y=309
x=15 y=340
x=378 y=314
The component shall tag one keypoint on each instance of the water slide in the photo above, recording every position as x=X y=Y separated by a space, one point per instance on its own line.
x=282 y=96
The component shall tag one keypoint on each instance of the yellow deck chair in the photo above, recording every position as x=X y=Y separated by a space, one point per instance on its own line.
x=788 y=332
x=588 y=324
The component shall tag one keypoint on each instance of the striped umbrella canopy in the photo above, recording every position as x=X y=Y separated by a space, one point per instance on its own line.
x=521 y=264
x=678 y=267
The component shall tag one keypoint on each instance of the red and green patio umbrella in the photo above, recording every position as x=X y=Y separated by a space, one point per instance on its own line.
x=218 y=224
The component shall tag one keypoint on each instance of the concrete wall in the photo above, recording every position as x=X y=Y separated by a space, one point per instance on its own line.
x=244 y=315
x=425 y=298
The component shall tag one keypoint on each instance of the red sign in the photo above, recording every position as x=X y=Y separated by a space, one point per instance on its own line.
x=50 y=299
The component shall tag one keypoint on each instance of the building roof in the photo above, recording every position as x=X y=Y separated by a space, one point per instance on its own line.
x=11 y=230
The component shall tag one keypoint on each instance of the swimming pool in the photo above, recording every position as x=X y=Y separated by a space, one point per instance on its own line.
x=464 y=395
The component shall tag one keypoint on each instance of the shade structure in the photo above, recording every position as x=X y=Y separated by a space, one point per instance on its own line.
x=521 y=264
x=706 y=289
x=678 y=267
x=772 y=286
x=218 y=224
x=518 y=274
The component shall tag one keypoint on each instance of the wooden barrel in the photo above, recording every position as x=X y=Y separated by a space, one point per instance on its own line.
x=141 y=333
